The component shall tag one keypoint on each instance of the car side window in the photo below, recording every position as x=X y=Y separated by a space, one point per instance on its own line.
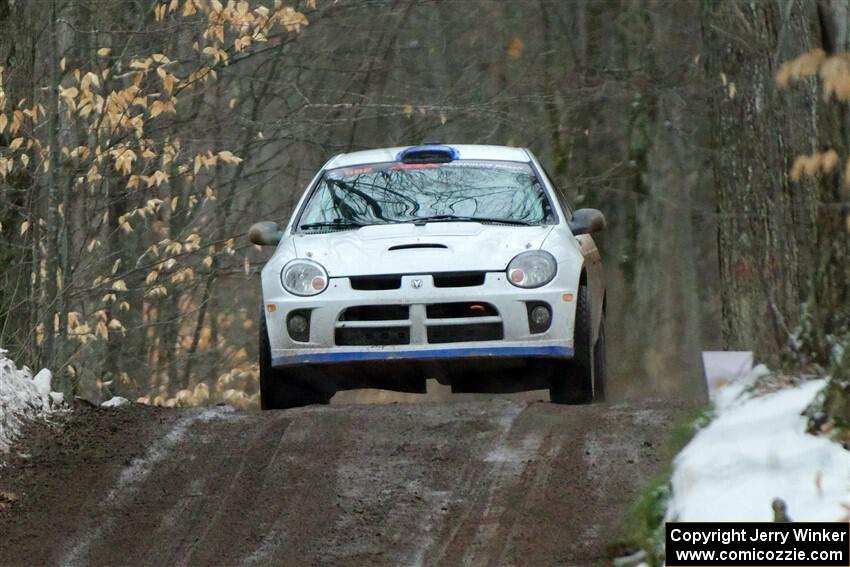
x=559 y=194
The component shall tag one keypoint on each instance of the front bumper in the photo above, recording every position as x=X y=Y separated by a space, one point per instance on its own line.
x=489 y=353
x=418 y=293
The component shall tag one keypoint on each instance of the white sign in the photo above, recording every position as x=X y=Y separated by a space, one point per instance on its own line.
x=723 y=367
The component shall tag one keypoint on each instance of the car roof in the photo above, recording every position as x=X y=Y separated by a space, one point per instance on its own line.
x=467 y=151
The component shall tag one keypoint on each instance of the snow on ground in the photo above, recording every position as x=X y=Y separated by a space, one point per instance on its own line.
x=114 y=402
x=756 y=450
x=22 y=397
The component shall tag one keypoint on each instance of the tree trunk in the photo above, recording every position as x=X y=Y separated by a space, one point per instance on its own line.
x=765 y=220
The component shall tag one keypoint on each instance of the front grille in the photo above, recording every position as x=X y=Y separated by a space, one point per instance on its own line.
x=459 y=279
x=373 y=325
x=372 y=336
x=462 y=333
x=393 y=281
x=459 y=309
x=464 y=321
x=376 y=313
x=375 y=283
x=435 y=323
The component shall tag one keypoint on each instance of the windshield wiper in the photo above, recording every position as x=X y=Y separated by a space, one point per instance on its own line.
x=461 y=218
x=339 y=224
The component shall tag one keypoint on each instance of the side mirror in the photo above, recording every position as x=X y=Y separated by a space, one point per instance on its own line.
x=587 y=221
x=265 y=233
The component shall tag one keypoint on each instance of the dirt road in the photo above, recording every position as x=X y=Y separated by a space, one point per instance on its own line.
x=497 y=482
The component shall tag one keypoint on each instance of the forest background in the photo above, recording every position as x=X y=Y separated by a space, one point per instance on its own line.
x=140 y=139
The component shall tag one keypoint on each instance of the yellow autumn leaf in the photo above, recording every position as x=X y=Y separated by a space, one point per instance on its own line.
x=16 y=143
x=69 y=93
x=168 y=83
x=228 y=157
x=174 y=248
x=17 y=120
x=88 y=80
x=515 y=48
x=160 y=106
x=158 y=291
x=159 y=177
x=25 y=226
x=193 y=242
x=189 y=9
x=156 y=108
x=102 y=330
x=104 y=51
x=3 y=122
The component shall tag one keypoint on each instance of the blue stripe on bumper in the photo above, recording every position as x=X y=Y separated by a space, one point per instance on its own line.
x=435 y=354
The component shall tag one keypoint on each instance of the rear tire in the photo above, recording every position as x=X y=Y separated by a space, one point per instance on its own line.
x=287 y=388
x=574 y=380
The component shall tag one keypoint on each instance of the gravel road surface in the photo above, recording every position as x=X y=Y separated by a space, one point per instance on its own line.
x=493 y=482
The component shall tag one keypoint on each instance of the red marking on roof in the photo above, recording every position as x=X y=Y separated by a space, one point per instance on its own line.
x=358 y=171
x=414 y=166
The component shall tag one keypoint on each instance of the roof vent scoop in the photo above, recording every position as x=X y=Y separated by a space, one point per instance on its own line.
x=431 y=153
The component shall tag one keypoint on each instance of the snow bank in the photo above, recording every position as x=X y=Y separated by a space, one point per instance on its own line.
x=756 y=450
x=22 y=396
x=114 y=402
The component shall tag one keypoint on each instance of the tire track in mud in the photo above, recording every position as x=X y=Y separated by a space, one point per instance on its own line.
x=497 y=482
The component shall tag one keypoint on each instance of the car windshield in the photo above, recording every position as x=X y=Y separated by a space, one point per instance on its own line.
x=465 y=190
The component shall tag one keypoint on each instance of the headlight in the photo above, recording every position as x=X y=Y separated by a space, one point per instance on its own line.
x=304 y=277
x=532 y=269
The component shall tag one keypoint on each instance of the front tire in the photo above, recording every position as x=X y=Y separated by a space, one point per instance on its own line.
x=286 y=388
x=573 y=382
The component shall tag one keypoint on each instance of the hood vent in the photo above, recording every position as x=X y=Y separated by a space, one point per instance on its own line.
x=416 y=246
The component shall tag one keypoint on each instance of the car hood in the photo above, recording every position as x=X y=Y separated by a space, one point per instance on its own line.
x=408 y=248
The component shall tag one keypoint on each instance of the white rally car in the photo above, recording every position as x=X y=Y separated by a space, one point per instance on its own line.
x=461 y=263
